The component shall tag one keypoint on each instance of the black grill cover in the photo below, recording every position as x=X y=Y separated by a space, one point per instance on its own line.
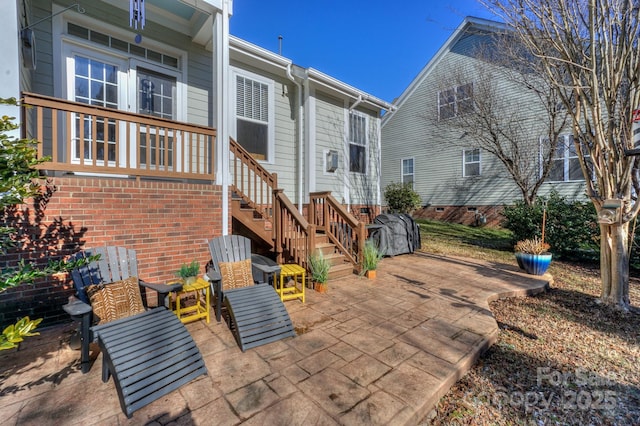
x=395 y=233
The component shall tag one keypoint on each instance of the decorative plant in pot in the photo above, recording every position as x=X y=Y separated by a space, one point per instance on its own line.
x=189 y=272
x=371 y=256
x=532 y=255
x=319 y=267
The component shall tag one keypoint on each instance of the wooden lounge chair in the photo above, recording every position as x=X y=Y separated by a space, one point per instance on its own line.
x=149 y=353
x=256 y=314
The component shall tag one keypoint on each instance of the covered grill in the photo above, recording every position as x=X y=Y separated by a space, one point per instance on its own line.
x=395 y=233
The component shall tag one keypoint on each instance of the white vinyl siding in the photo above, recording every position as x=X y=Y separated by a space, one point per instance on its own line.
x=407 y=171
x=471 y=162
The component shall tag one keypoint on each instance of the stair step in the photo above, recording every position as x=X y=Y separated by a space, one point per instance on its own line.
x=340 y=271
x=335 y=259
x=325 y=248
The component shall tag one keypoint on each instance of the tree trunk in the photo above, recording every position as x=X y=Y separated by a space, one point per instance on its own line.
x=614 y=265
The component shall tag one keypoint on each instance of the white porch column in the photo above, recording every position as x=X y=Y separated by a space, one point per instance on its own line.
x=222 y=116
x=11 y=63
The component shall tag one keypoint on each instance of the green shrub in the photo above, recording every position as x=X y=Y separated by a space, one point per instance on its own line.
x=525 y=222
x=571 y=226
x=401 y=197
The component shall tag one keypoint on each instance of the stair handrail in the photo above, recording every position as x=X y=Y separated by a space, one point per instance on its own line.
x=293 y=234
x=251 y=181
x=346 y=232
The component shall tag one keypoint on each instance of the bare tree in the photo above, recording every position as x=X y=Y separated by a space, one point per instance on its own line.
x=590 y=56
x=507 y=110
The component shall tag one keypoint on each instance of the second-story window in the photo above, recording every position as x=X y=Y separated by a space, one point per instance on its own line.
x=455 y=101
x=253 y=115
x=357 y=142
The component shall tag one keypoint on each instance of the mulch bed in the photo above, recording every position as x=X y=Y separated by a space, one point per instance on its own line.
x=561 y=358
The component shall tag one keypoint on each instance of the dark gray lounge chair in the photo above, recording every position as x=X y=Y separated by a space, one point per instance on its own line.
x=256 y=314
x=149 y=353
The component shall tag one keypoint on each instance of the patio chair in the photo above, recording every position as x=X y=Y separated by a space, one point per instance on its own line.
x=149 y=353
x=255 y=313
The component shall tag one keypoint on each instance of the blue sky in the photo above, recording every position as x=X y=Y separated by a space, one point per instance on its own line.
x=374 y=45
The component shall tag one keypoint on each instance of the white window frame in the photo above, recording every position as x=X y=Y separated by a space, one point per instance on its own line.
x=70 y=52
x=465 y=162
x=457 y=100
x=271 y=129
x=565 y=144
x=66 y=46
x=349 y=141
x=413 y=170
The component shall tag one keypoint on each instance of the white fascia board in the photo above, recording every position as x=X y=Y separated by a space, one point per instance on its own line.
x=468 y=22
x=243 y=47
x=336 y=85
x=208 y=6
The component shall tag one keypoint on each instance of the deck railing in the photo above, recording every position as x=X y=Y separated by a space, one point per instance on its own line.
x=341 y=227
x=91 y=139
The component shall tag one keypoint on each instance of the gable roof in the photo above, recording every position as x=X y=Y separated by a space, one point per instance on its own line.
x=269 y=61
x=468 y=23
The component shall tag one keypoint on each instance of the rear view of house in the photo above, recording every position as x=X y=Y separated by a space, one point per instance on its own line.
x=164 y=131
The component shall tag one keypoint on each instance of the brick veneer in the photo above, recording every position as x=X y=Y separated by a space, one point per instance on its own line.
x=462 y=214
x=167 y=223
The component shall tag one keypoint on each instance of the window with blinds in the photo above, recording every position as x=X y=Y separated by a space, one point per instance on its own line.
x=252 y=116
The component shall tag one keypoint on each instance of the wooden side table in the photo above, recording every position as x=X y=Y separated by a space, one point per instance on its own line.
x=295 y=291
x=200 y=309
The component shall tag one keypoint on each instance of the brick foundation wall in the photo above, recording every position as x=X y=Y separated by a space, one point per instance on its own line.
x=167 y=223
x=466 y=215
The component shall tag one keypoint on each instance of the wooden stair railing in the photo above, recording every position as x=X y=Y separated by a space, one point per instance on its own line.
x=341 y=227
x=252 y=182
x=294 y=235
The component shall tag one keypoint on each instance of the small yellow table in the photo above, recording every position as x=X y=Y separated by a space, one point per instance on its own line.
x=200 y=309
x=295 y=291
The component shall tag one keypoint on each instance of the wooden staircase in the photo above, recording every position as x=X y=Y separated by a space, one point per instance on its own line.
x=263 y=212
x=261 y=230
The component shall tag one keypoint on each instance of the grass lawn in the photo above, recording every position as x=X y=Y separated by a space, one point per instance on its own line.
x=561 y=357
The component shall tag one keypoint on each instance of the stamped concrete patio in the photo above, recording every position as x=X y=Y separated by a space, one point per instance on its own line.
x=368 y=352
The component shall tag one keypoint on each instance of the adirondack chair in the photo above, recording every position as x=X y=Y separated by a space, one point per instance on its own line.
x=256 y=315
x=149 y=353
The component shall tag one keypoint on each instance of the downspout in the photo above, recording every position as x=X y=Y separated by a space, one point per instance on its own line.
x=358 y=101
x=300 y=139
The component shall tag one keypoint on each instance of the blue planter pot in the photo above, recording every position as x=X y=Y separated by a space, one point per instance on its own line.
x=534 y=264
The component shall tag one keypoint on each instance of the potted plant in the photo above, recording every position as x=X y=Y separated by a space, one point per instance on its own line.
x=532 y=255
x=189 y=272
x=319 y=267
x=370 y=258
